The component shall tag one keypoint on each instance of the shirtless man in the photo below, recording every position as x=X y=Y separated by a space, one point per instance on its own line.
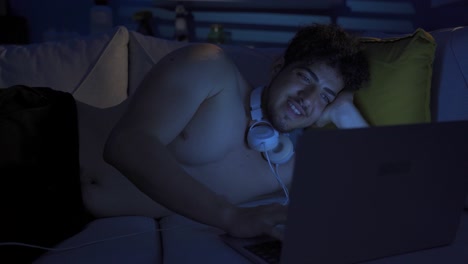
x=182 y=140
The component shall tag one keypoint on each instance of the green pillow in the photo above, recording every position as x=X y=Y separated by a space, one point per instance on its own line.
x=400 y=80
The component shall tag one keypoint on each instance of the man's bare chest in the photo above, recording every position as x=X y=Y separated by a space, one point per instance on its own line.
x=212 y=148
x=217 y=128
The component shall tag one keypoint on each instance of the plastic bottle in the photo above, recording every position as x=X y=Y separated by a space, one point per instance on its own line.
x=181 y=24
x=216 y=34
x=100 y=17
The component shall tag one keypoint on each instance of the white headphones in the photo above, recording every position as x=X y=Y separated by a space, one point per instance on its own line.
x=263 y=137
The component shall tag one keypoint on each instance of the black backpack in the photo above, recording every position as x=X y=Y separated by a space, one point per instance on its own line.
x=40 y=192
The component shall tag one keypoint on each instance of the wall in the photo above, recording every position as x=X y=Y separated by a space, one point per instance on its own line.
x=61 y=15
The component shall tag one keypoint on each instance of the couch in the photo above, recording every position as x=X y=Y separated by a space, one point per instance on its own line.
x=102 y=72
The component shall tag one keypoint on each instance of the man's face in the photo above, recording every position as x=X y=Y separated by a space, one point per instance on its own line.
x=299 y=93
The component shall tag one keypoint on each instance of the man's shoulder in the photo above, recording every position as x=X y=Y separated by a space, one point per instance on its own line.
x=201 y=64
x=199 y=52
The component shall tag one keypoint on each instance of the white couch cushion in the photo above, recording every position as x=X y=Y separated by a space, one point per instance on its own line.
x=93 y=69
x=450 y=75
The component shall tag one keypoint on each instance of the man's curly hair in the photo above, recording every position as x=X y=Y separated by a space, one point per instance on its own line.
x=331 y=45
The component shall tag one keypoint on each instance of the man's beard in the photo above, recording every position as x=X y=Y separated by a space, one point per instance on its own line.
x=277 y=122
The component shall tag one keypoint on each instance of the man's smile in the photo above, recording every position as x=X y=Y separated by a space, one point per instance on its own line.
x=295 y=109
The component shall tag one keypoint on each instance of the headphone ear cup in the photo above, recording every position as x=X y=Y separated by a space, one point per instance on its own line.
x=262 y=138
x=283 y=152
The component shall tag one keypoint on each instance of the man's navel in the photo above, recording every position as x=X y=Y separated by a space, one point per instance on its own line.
x=184 y=135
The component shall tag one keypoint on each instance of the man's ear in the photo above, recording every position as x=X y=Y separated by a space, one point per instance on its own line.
x=277 y=65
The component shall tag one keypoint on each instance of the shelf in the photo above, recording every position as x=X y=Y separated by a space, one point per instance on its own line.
x=266 y=5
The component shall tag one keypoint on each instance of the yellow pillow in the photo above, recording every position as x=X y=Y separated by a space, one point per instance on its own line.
x=400 y=80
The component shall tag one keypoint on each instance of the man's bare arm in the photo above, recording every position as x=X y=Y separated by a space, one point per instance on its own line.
x=343 y=113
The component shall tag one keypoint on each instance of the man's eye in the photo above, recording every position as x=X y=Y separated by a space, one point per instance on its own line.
x=325 y=97
x=303 y=77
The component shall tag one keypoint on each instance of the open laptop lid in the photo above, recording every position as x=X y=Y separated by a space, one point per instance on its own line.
x=362 y=194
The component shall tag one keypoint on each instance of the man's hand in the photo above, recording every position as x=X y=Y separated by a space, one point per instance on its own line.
x=256 y=221
x=343 y=99
x=342 y=113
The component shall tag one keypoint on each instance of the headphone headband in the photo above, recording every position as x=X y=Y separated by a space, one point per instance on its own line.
x=256 y=112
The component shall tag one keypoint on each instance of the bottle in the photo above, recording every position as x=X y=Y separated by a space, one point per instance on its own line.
x=216 y=34
x=100 y=17
x=144 y=22
x=181 y=24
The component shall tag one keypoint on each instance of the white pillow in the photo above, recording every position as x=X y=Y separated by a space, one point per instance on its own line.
x=93 y=69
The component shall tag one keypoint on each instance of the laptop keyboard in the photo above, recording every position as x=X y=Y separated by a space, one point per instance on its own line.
x=269 y=251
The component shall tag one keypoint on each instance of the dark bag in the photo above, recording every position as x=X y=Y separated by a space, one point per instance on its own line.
x=40 y=192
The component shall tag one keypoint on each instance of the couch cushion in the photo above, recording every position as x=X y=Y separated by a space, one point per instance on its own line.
x=400 y=79
x=450 y=80
x=459 y=41
x=93 y=69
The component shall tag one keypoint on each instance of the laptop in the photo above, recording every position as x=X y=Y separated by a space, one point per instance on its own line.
x=369 y=193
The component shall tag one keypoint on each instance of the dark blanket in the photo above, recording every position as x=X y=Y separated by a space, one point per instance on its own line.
x=40 y=193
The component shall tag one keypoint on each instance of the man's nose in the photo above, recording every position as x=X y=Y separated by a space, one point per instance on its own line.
x=307 y=96
x=309 y=91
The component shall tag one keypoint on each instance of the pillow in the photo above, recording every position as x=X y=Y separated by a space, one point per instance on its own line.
x=400 y=80
x=93 y=69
